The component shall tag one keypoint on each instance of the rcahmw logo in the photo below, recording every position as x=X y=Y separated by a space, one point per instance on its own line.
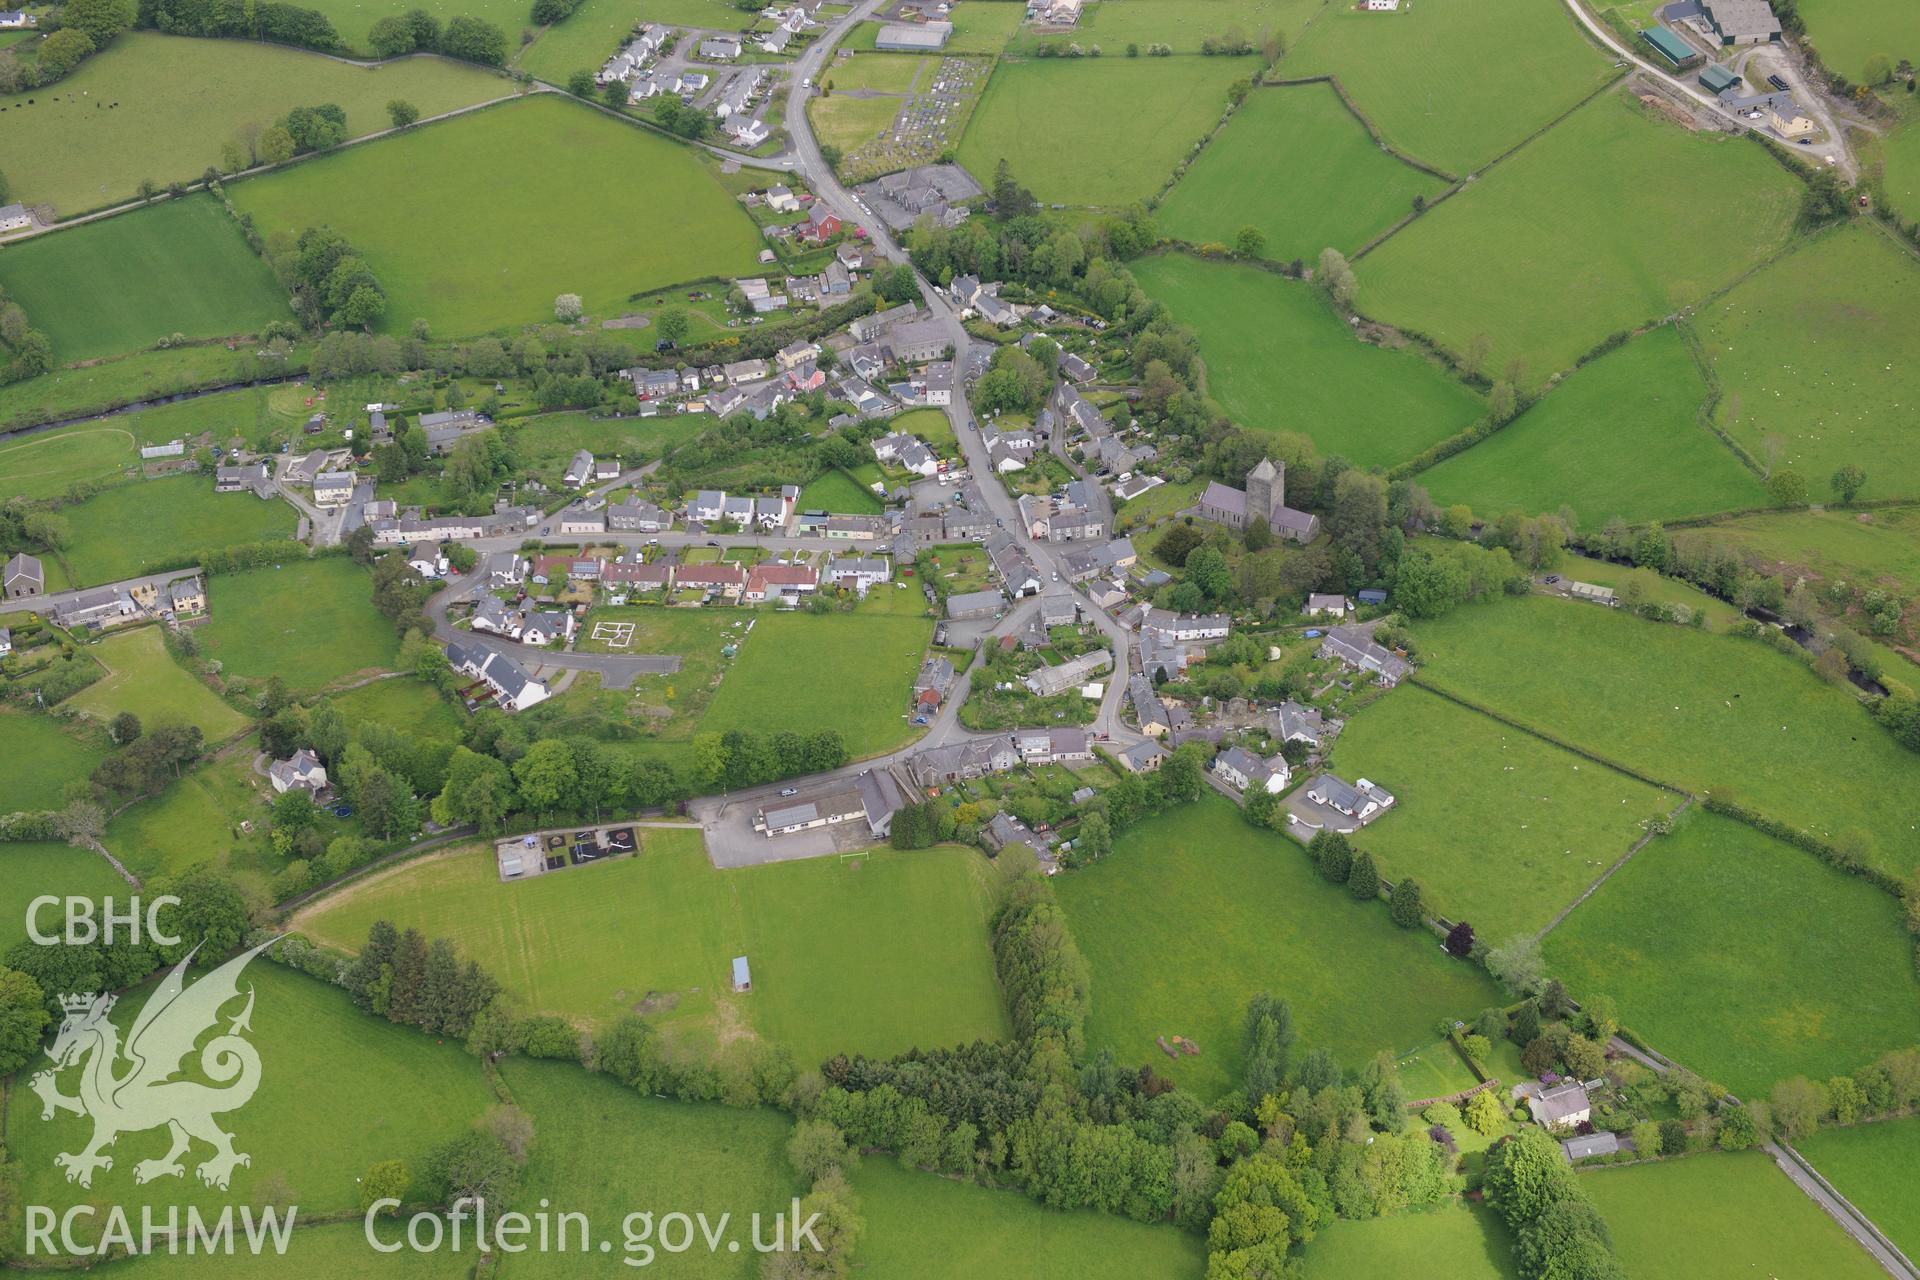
x=128 y=1088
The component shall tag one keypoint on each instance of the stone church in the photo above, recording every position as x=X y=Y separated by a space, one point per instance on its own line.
x=1264 y=498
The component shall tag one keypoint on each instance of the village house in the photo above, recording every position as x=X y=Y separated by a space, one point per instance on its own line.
x=302 y=771
x=726 y=581
x=583 y=520
x=1048 y=682
x=507 y=682
x=963 y=605
x=638 y=517
x=332 y=488
x=788 y=582
x=934 y=683
x=186 y=597
x=1291 y=722
x=1143 y=757
x=859 y=572
x=1320 y=605
x=1355 y=648
x=1564 y=1106
x=253 y=477
x=1148 y=708
x=1052 y=746
x=1244 y=771
x=1362 y=801
x=963 y=761
x=424 y=558
x=1187 y=628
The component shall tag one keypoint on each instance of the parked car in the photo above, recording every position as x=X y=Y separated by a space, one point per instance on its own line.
x=789 y=791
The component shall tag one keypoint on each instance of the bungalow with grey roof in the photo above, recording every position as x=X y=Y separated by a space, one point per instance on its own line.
x=975 y=604
x=1244 y=771
x=1363 y=801
x=638 y=517
x=507 y=682
x=578 y=519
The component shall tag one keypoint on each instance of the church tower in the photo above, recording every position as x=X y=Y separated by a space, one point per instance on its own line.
x=1266 y=490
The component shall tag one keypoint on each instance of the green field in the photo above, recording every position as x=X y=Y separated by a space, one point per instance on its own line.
x=873 y=958
x=1691 y=708
x=1900 y=155
x=197 y=819
x=848 y=122
x=1255 y=173
x=404 y=703
x=838 y=492
x=1454 y=1240
x=1696 y=940
x=310 y=622
x=1811 y=354
x=1574 y=216
x=119 y=533
x=161 y=107
x=1721 y=1217
x=180 y=267
x=1278 y=359
x=675 y=222
x=1195 y=912
x=332 y=1251
x=42 y=466
x=1500 y=829
x=1404 y=71
x=143 y=678
x=313 y=1127
x=1180 y=23
x=28 y=871
x=1620 y=437
x=1848 y=32
x=1875 y=1166
x=43 y=755
x=603 y=1150
x=1097 y=131
x=782 y=678
x=1881 y=545
x=932 y=1228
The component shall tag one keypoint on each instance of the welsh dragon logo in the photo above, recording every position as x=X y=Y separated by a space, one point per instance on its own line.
x=143 y=1096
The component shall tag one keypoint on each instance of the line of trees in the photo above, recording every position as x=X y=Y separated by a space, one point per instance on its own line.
x=1557 y=1230
x=273 y=22
x=417 y=31
x=405 y=979
x=329 y=281
x=28 y=351
x=85 y=27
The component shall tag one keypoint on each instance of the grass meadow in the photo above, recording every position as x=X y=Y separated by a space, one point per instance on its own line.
x=873 y=958
x=310 y=622
x=1402 y=68
x=179 y=267
x=332 y=1251
x=1099 y=131
x=31 y=869
x=312 y=1128
x=1881 y=545
x=1180 y=23
x=1196 y=912
x=762 y=692
x=603 y=1150
x=143 y=678
x=1900 y=156
x=1876 y=1166
x=545 y=162
x=848 y=122
x=43 y=755
x=1721 y=1217
x=118 y=533
x=932 y=1228
x=1745 y=958
x=839 y=492
x=1812 y=353
x=45 y=465
x=1620 y=437
x=1688 y=707
x=1278 y=359
x=198 y=819
x=1470 y=1238
x=404 y=703
x=1574 y=216
x=1848 y=32
x=1296 y=164
x=1502 y=829
x=162 y=107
